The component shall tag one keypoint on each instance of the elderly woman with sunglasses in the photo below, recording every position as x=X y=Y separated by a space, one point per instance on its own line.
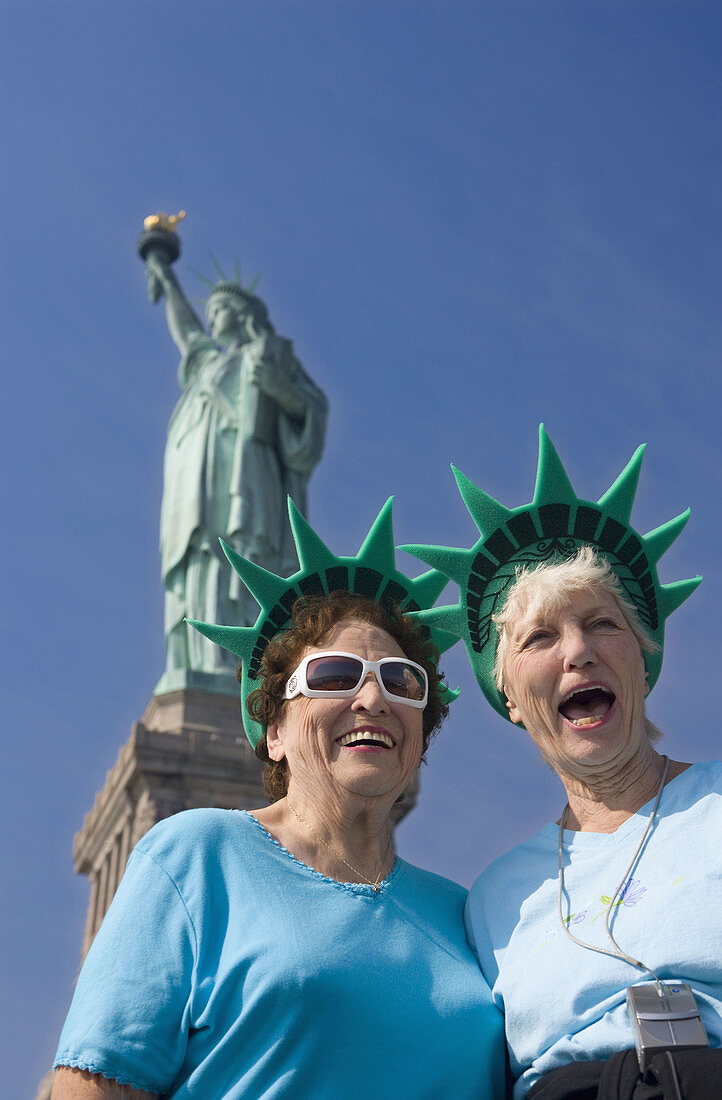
x=600 y=936
x=287 y=951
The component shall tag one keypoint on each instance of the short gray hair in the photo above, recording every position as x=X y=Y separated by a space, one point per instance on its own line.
x=546 y=587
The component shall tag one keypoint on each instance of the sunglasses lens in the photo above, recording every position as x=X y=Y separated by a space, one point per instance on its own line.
x=333 y=673
x=403 y=680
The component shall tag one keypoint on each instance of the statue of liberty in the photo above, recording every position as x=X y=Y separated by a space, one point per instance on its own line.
x=247 y=431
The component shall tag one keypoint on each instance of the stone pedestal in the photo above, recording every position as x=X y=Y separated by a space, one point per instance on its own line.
x=187 y=750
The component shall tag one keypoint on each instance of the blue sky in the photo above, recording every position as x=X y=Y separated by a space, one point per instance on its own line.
x=469 y=218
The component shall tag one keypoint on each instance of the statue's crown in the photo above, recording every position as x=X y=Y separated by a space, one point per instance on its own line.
x=554 y=525
x=227 y=287
x=230 y=286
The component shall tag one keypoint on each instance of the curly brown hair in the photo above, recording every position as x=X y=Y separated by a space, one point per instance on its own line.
x=312 y=618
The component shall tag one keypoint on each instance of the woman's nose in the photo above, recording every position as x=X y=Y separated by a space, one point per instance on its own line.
x=370 y=697
x=578 y=649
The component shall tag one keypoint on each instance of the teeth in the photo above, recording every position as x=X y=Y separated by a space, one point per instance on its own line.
x=588 y=721
x=365 y=735
x=578 y=691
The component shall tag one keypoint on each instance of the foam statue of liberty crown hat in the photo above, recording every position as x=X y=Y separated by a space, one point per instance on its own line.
x=372 y=572
x=554 y=525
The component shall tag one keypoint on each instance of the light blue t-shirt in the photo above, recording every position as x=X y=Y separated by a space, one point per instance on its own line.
x=565 y=1004
x=225 y=968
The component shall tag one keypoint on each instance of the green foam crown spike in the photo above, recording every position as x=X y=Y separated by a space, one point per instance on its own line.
x=371 y=572
x=552 y=482
x=486 y=512
x=554 y=525
x=619 y=498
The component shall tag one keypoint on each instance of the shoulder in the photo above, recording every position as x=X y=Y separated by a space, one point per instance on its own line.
x=192 y=836
x=264 y=346
x=200 y=344
x=199 y=350
x=434 y=906
x=705 y=777
x=192 y=824
x=696 y=783
x=515 y=875
x=694 y=795
x=197 y=852
x=524 y=858
x=442 y=890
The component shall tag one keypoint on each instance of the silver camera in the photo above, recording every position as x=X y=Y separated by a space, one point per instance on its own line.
x=669 y=1021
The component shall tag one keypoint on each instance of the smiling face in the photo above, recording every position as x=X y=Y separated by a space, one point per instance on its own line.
x=574 y=677
x=366 y=745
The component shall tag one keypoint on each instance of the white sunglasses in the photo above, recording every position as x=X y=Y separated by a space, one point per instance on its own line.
x=339 y=675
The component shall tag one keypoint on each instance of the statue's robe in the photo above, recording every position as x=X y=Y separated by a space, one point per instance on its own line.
x=231 y=457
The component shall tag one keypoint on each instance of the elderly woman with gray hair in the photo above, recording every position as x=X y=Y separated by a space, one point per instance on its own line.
x=600 y=936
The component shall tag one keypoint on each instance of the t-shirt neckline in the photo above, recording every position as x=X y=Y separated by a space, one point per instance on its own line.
x=352 y=887
x=582 y=838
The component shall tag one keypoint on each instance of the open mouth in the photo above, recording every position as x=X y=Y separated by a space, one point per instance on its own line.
x=587 y=706
x=375 y=739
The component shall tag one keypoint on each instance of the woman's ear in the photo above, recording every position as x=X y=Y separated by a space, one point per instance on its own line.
x=274 y=742
x=513 y=709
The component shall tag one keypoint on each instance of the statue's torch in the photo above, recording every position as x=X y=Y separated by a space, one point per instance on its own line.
x=159 y=236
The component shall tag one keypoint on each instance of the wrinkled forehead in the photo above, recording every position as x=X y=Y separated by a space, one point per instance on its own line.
x=367 y=640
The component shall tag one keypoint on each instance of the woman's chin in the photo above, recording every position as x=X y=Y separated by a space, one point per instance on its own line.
x=581 y=748
x=372 y=785
x=596 y=738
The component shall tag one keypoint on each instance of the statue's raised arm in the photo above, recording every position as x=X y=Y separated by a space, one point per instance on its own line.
x=159 y=247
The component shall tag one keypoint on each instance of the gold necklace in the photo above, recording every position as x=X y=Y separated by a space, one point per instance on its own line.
x=375 y=886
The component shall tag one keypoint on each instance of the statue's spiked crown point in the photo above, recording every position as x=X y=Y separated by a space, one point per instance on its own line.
x=371 y=572
x=555 y=524
x=224 y=285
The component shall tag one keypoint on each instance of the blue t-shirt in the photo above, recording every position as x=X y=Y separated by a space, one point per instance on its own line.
x=225 y=968
x=565 y=1004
